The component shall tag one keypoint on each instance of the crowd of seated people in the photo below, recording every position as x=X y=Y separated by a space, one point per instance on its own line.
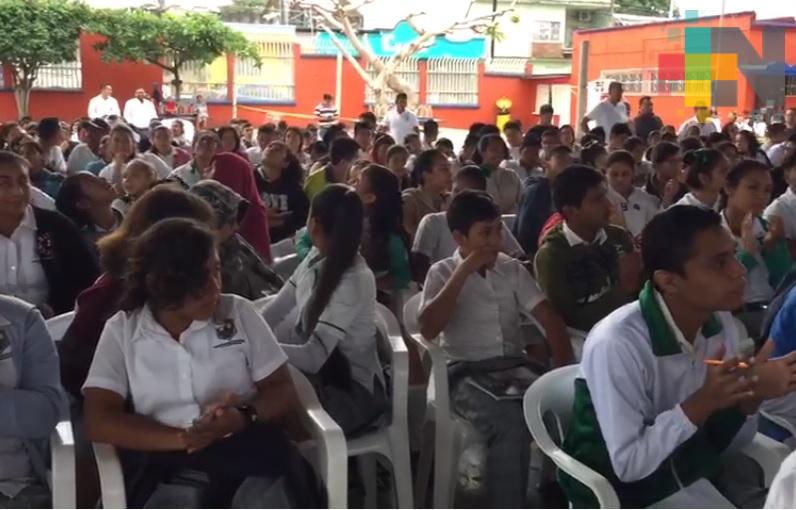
x=650 y=246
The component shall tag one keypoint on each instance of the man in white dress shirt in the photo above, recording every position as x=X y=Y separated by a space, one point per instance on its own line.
x=400 y=121
x=103 y=104
x=608 y=112
x=139 y=111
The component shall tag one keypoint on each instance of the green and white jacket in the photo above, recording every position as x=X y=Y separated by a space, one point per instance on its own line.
x=627 y=422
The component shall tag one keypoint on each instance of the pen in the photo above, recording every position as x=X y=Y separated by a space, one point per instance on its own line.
x=717 y=362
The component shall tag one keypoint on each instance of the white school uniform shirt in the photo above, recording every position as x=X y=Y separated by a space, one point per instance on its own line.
x=347 y=322
x=782 y=493
x=784 y=207
x=757 y=290
x=505 y=188
x=54 y=159
x=139 y=113
x=79 y=159
x=637 y=394
x=606 y=114
x=638 y=209
x=434 y=239
x=255 y=155
x=161 y=168
x=42 y=200
x=691 y=199
x=101 y=107
x=400 y=124
x=486 y=321
x=173 y=381
x=21 y=272
x=704 y=129
x=777 y=152
x=16 y=470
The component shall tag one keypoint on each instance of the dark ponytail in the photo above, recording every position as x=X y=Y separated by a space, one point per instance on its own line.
x=700 y=162
x=339 y=213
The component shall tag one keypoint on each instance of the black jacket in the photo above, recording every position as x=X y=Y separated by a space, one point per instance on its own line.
x=69 y=263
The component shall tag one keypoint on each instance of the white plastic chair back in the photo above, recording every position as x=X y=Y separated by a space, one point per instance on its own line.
x=509 y=220
x=58 y=325
x=411 y=313
x=554 y=393
x=284 y=266
x=260 y=304
x=283 y=248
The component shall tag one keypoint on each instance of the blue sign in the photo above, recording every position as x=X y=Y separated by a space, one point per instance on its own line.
x=388 y=44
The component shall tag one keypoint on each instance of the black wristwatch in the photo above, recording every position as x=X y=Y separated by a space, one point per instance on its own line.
x=249 y=413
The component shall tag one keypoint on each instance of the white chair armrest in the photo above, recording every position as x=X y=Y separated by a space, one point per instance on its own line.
x=768 y=454
x=436 y=366
x=399 y=364
x=602 y=488
x=62 y=452
x=329 y=439
x=111 y=476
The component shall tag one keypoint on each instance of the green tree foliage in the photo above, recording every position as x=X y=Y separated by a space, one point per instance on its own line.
x=248 y=11
x=643 y=7
x=35 y=33
x=168 y=40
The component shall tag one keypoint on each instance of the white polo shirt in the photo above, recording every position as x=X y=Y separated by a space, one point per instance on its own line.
x=691 y=199
x=757 y=290
x=639 y=369
x=255 y=155
x=21 y=272
x=486 y=322
x=54 y=160
x=348 y=322
x=505 y=188
x=606 y=114
x=434 y=239
x=139 y=113
x=101 y=107
x=42 y=200
x=173 y=381
x=638 y=209
x=776 y=153
x=400 y=124
x=784 y=206
x=705 y=129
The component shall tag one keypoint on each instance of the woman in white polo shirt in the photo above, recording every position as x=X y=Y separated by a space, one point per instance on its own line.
x=206 y=380
x=325 y=315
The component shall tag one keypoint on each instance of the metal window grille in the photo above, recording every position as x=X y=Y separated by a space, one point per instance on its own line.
x=408 y=70
x=274 y=80
x=506 y=65
x=197 y=78
x=547 y=31
x=790 y=85
x=452 y=81
x=64 y=75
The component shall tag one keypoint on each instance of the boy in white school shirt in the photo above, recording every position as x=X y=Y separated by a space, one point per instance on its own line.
x=650 y=414
x=434 y=240
x=784 y=206
x=473 y=301
x=635 y=206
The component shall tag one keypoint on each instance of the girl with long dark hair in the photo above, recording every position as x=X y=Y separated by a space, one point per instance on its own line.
x=324 y=317
x=432 y=180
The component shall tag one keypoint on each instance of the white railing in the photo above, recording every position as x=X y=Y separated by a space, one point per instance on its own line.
x=408 y=70
x=274 y=80
x=196 y=79
x=64 y=75
x=506 y=65
x=452 y=81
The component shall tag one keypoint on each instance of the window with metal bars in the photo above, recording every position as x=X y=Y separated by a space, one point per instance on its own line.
x=210 y=80
x=452 y=82
x=60 y=76
x=274 y=80
x=408 y=70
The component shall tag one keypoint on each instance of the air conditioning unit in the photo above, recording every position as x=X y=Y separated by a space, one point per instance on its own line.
x=584 y=16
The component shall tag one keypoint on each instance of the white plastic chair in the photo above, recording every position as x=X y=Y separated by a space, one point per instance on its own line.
x=554 y=393
x=283 y=248
x=390 y=441
x=509 y=220
x=62 y=439
x=444 y=435
x=328 y=441
x=284 y=266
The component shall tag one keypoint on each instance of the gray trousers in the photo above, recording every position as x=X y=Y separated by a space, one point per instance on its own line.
x=508 y=442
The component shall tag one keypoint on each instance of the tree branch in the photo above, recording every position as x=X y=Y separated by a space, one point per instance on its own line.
x=351 y=60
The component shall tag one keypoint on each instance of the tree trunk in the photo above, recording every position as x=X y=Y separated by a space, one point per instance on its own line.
x=22 y=95
x=177 y=84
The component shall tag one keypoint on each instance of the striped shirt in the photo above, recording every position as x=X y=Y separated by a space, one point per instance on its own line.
x=327 y=115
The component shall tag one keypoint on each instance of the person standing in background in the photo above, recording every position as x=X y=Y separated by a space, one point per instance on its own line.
x=608 y=112
x=326 y=113
x=646 y=121
x=400 y=121
x=103 y=104
x=139 y=111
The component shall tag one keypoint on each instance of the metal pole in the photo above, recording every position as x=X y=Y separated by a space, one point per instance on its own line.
x=338 y=90
x=583 y=80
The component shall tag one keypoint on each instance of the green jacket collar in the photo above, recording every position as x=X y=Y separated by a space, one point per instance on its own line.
x=664 y=342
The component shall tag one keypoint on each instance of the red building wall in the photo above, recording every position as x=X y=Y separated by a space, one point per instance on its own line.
x=314 y=76
x=124 y=78
x=640 y=46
